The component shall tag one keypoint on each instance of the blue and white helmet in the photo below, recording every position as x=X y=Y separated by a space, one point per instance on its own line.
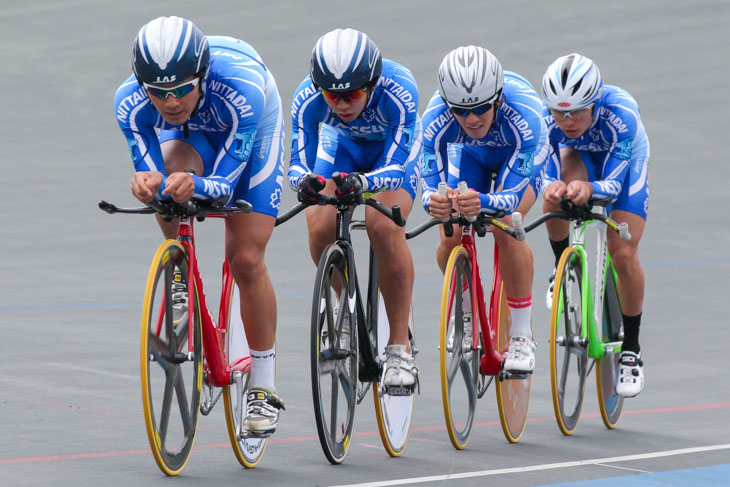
x=470 y=76
x=571 y=82
x=169 y=49
x=344 y=60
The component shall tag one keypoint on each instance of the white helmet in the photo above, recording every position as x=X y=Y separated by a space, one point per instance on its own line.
x=572 y=82
x=470 y=76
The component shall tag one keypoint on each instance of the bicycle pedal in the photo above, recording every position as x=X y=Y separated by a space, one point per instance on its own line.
x=513 y=375
x=397 y=390
x=255 y=435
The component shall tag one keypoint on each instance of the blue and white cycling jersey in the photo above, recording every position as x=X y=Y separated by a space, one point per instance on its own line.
x=239 y=114
x=388 y=127
x=515 y=148
x=615 y=150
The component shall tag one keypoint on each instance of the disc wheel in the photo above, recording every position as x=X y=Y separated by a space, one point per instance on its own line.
x=333 y=357
x=513 y=395
x=393 y=413
x=171 y=366
x=568 y=350
x=458 y=357
x=248 y=450
x=607 y=368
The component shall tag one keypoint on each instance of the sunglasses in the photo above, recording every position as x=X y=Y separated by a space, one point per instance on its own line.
x=579 y=114
x=177 y=91
x=477 y=110
x=350 y=96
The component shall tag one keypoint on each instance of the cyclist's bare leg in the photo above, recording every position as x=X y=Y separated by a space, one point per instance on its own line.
x=321 y=222
x=573 y=168
x=178 y=156
x=246 y=241
x=395 y=263
x=515 y=257
x=446 y=245
x=625 y=256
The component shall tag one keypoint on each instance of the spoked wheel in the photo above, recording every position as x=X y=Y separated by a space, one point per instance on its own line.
x=607 y=371
x=248 y=450
x=171 y=362
x=568 y=351
x=333 y=358
x=393 y=412
x=513 y=395
x=458 y=358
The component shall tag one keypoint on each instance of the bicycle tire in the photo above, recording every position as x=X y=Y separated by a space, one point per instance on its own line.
x=568 y=348
x=167 y=365
x=607 y=371
x=457 y=359
x=513 y=395
x=393 y=413
x=248 y=450
x=334 y=397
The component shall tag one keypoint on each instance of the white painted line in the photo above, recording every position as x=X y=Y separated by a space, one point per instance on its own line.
x=547 y=466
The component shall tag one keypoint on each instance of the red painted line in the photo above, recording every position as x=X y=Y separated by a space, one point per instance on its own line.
x=304 y=439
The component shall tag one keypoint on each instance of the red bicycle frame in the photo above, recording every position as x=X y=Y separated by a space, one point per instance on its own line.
x=217 y=368
x=491 y=363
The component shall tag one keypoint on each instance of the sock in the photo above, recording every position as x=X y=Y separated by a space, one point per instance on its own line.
x=558 y=248
x=263 y=368
x=631 y=333
x=520 y=310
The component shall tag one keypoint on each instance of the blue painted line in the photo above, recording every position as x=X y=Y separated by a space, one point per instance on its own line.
x=717 y=475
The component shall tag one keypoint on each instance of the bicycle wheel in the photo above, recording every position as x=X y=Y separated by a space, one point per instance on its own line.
x=171 y=367
x=568 y=350
x=458 y=360
x=513 y=395
x=392 y=412
x=248 y=450
x=333 y=357
x=607 y=371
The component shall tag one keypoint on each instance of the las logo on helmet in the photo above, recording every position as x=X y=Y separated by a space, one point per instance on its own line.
x=166 y=79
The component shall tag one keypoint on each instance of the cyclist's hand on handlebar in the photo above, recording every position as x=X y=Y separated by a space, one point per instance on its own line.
x=579 y=192
x=145 y=185
x=309 y=189
x=439 y=205
x=555 y=192
x=180 y=186
x=349 y=188
x=468 y=203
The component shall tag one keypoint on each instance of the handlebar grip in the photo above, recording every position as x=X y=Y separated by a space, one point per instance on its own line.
x=463 y=188
x=623 y=232
x=244 y=206
x=108 y=207
x=442 y=192
x=519 y=226
x=397 y=216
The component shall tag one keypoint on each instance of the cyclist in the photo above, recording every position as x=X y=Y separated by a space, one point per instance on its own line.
x=482 y=124
x=221 y=131
x=599 y=150
x=356 y=113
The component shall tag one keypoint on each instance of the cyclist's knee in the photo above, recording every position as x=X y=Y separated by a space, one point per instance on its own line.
x=179 y=156
x=246 y=262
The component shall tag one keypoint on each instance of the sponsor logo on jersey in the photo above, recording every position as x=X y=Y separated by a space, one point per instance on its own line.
x=236 y=99
x=520 y=123
x=242 y=144
x=387 y=183
x=300 y=97
x=129 y=102
x=525 y=161
x=436 y=125
x=402 y=93
x=622 y=149
x=614 y=120
x=215 y=189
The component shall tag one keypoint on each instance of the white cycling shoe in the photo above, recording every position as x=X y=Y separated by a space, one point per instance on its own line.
x=520 y=355
x=631 y=374
x=400 y=372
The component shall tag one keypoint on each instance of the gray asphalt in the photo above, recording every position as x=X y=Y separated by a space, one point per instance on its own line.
x=73 y=277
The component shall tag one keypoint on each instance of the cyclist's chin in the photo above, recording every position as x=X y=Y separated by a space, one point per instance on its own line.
x=348 y=116
x=176 y=118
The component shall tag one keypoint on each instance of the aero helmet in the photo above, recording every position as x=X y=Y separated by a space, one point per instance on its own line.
x=169 y=49
x=572 y=82
x=344 y=60
x=470 y=76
